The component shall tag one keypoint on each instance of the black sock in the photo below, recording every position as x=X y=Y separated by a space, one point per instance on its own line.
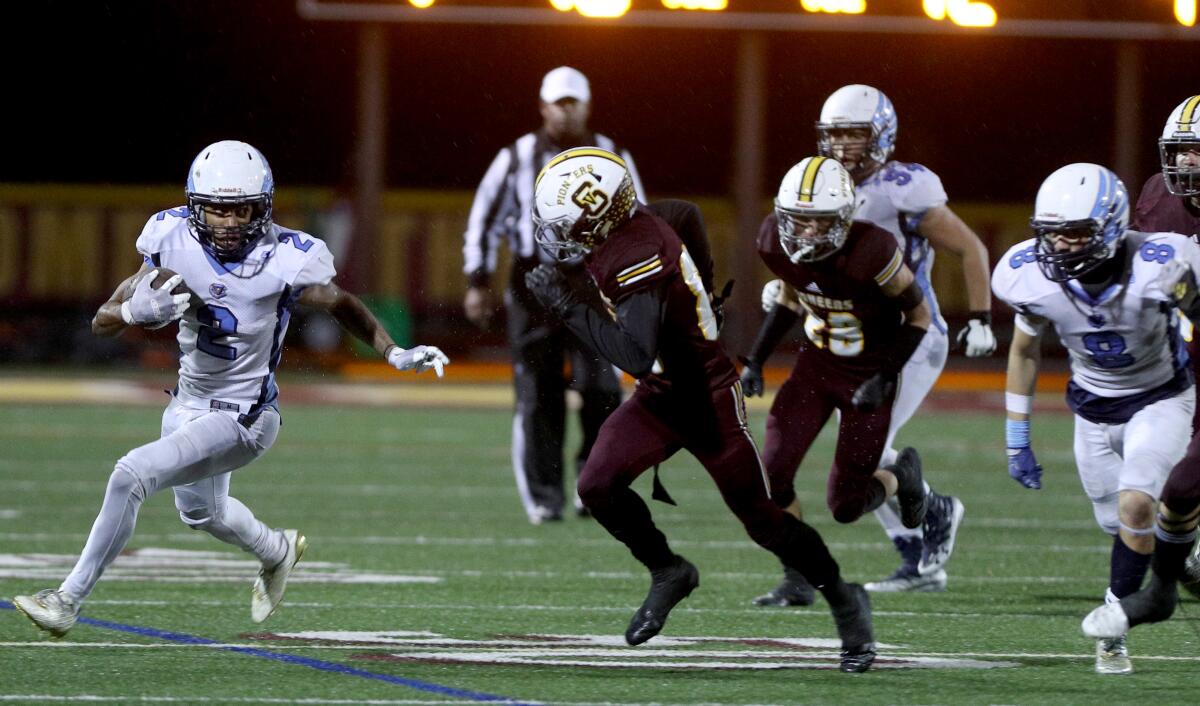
x=876 y=494
x=1169 y=558
x=1127 y=569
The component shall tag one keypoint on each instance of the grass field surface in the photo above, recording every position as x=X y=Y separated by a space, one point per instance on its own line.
x=424 y=583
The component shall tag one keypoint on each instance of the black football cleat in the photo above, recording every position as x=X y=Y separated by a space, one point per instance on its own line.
x=668 y=586
x=794 y=590
x=910 y=492
x=853 y=620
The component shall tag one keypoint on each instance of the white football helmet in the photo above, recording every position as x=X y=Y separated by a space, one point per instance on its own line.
x=1077 y=197
x=1181 y=133
x=818 y=188
x=230 y=173
x=859 y=106
x=581 y=196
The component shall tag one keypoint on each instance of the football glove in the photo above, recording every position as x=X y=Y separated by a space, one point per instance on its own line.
x=752 y=377
x=1024 y=468
x=418 y=359
x=770 y=294
x=874 y=392
x=155 y=308
x=976 y=338
x=1178 y=282
x=550 y=287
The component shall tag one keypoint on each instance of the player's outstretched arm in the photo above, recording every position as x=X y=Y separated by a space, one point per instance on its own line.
x=108 y=321
x=1024 y=359
x=946 y=231
x=354 y=316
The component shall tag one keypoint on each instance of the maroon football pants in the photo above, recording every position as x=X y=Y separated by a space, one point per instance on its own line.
x=804 y=403
x=649 y=428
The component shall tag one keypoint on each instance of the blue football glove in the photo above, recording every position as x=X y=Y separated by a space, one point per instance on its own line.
x=1024 y=468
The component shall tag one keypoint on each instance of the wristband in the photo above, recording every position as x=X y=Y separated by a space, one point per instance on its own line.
x=1016 y=434
x=983 y=317
x=1018 y=404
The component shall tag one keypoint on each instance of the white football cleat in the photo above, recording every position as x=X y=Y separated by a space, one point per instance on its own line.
x=1112 y=656
x=50 y=610
x=268 y=588
x=1109 y=620
x=909 y=580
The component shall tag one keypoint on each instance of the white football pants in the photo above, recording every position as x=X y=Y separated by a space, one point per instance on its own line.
x=916 y=380
x=1136 y=455
x=195 y=454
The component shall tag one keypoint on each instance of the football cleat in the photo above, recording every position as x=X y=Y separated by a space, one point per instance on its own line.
x=1112 y=656
x=910 y=491
x=1190 y=580
x=907 y=579
x=794 y=590
x=853 y=620
x=50 y=610
x=1108 y=621
x=941 y=526
x=268 y=588
x=668 y=586
x=542 y=514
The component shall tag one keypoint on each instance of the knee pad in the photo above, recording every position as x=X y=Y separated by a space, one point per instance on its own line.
x=1107 y=514
x=126 y=481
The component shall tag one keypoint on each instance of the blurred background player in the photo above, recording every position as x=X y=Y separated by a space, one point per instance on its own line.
x=661 y=329
x=248 y=272
x=864 y=316
x=539 y=341
x=1131 y=389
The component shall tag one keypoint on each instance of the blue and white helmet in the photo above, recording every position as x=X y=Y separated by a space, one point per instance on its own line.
x=1079 y=197
x=859 y=106
x=230 y=173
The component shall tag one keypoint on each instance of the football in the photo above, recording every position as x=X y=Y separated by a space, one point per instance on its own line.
x=165 y=274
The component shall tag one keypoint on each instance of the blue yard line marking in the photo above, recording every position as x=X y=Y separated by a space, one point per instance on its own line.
x=292 y=659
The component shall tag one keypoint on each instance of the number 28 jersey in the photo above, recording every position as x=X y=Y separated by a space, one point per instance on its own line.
x=1123 y=342
x=232 y=344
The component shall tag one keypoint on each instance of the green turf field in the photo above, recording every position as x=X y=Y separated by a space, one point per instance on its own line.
x=425 y=584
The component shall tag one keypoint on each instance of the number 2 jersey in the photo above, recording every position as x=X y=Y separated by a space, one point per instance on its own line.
x=1124 y=344
x=848 y=317
x=232 y=344
x=896 y=198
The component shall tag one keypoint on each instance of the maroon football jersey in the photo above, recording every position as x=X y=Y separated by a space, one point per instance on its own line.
x=643 y=254
x=848 y=317
x=1160 y=211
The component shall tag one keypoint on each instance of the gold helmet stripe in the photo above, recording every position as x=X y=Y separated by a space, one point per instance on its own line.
x=809 y=180
x=580 y=152
x=1188 y=116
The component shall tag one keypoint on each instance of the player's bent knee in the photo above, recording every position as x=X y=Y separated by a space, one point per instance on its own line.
x=846 y=510
x=1106 y=513
x=126 y=481
x=198 y=519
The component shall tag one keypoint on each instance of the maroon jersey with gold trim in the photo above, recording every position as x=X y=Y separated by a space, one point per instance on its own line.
x=1160 y=211
x=646 y=254
x=848 y=317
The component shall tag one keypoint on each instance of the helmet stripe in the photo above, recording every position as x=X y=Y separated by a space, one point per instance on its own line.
x=1103 y=195
x=1187 y=116
x=581 y=152
x=809 y=179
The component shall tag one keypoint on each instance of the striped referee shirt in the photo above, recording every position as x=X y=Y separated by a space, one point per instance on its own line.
x=504 y=203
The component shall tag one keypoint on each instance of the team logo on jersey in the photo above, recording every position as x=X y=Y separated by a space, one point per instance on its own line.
x=218 y=290
x=1097 y=320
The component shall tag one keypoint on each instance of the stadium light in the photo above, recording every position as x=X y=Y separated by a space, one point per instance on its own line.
x=964 y=13
x=1185 y=12
x=594 y=8
x=710 y=5
x=849 y=7
x=421 y=4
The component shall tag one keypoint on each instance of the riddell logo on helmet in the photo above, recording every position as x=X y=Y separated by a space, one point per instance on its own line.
x=228 y=190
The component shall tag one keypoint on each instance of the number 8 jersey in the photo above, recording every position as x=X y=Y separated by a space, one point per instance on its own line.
x=1123 y=343
x=231 y=345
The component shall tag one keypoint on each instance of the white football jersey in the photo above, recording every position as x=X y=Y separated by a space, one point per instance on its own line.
x=231 y=345
x=1125 y=341
x=896 y=198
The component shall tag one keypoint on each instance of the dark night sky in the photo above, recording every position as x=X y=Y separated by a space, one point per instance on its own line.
x=127 y=92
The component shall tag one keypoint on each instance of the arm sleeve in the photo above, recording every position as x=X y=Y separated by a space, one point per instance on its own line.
x=630 y=342
x=481 y=238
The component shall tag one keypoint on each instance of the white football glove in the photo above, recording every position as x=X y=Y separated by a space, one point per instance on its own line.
x=976 y=338
x=155 y=308
x=770 y=294
x=418 y=359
